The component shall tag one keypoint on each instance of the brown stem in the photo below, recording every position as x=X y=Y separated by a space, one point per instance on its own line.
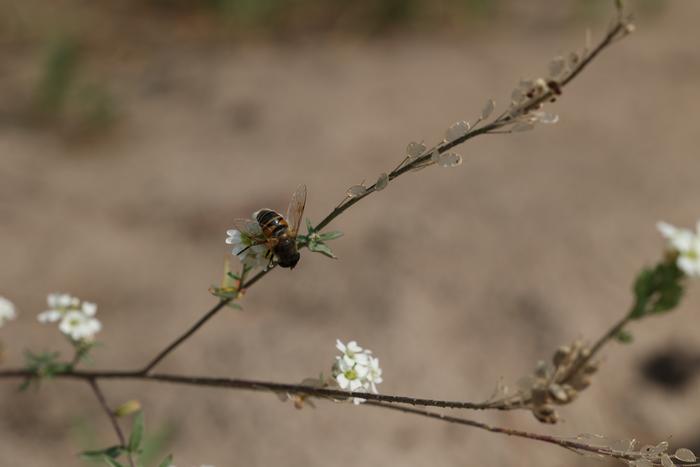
x=251 y=385
x=613 y=33
x=112 y=418
x=565 y=443
x=200 y=322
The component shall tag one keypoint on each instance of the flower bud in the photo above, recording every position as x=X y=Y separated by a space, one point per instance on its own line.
x=127 y=408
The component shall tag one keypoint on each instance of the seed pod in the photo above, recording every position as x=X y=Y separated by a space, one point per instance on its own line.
x=540 y=396
x=561 y=356
x=590 y=368
x=545 y=414
x=558 y=393
x=580 y=382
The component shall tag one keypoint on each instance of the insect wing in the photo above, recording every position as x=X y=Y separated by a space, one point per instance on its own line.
x=295 y=211
x=250 y=228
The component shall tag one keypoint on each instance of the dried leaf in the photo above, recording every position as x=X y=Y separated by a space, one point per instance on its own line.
x=449 y=159
x=457 y=130
x=557 y=66
x=666 y=461
x=382 y=182
x=355 y=191
x=685 y=455
x=522 y=126
x=488 y=109
x=415 y=150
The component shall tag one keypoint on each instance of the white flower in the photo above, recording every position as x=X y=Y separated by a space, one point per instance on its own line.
x=353 y=352
x=49 y=316
x=356 y=369
x=76 y=319
x=249 y=254
x=79 y=326
x=89 y=309
x=59 y=304
x=7 y=310
x=61 y=300
x=374 y=375
x=687 y=244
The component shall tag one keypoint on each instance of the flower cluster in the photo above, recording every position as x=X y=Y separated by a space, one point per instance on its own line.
x=76 y=318
x=356 y=369
x=560 y=382
x=7 y=310
x=687 y=244
x=551 y=384
x=251 y=255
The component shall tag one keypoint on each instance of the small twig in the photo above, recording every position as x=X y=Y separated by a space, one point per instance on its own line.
x=200 y=322
x=600 y=343
x=112 y=418
x=565 y=443
x=510 y=403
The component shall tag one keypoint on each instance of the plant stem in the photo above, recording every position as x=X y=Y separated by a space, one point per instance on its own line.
x=565 y=443
x=200 y=322
x=112 y=418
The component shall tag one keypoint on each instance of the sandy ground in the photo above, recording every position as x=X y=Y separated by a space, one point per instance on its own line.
x=455 y=278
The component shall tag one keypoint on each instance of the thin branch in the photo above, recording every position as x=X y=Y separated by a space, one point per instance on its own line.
x=565 y=443
x=112 y=418
x=614 y=33
x=600 y=343
x=385 y=402
x=200 y=322
x=251 y=385
x=510 y=403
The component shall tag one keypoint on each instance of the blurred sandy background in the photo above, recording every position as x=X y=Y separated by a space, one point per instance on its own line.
x=132 y=134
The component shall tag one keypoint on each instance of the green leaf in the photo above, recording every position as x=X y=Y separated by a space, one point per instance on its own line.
x=44 y=365
x=223 y=292
x=92 y=455
x=234 y=305
x=302 y=241
x=657 y=290
x=624 y=337
x=136 y=433
x=100 y=454
x=322 y=248
x=233 y=275
x=113 y=451
x=324 y=237
x=167 y=462
x=309 y=226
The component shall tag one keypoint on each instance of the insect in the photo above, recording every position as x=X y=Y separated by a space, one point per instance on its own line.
x=277 y=232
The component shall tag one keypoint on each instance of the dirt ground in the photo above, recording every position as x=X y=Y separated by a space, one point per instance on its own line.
x=455 y=278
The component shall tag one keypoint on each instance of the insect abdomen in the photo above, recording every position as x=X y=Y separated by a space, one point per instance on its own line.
x=272 y=223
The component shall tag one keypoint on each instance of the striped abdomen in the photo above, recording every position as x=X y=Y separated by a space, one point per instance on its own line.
x=272 y=223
